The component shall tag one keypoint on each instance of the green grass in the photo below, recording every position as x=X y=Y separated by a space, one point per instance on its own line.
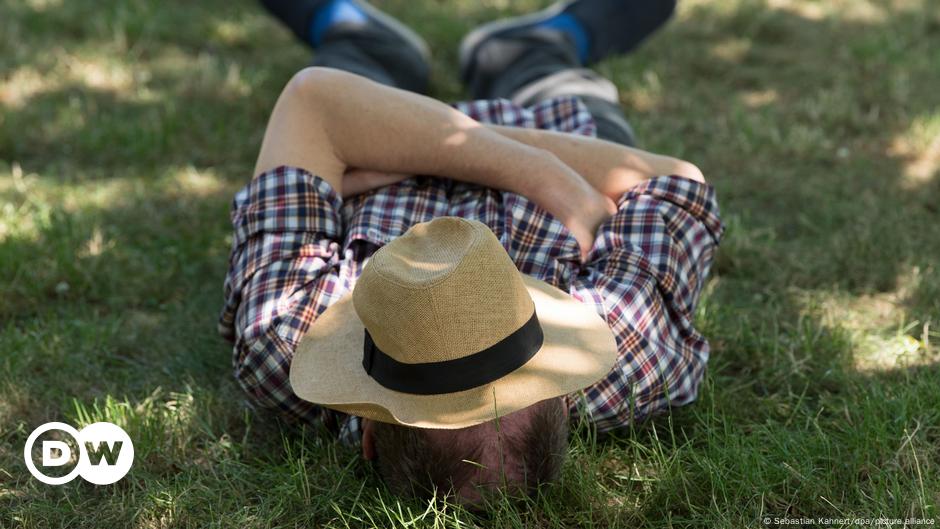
x=126 y=126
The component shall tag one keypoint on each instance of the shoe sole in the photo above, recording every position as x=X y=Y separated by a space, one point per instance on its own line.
x=397 y=27
x=473 y=40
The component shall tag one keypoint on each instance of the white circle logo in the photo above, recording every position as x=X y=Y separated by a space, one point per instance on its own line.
x=105 y=453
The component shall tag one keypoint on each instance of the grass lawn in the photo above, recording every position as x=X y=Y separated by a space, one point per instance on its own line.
x=126 y=126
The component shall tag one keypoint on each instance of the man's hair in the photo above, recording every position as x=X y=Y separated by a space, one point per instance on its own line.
x=412 y=465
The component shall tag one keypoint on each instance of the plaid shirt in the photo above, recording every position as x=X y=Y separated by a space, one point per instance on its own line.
x=299 y=247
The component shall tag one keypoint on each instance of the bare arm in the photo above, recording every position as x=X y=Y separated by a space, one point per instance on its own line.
x=609 y=167
x=331 y=123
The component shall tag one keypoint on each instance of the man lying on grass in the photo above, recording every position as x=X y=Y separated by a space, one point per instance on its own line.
x=532 y=275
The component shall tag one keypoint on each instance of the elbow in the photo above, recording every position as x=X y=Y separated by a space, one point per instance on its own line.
x=688 y=170
x=314 y=83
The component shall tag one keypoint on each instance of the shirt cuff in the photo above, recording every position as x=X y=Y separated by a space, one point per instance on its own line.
x=286 y=199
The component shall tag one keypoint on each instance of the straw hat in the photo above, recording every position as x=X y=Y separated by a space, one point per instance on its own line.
x=442 y=331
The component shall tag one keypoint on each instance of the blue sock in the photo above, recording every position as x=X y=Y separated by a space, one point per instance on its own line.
x=334 y=12
x=568 y=24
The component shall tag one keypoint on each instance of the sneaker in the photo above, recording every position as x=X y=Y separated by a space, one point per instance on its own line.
x=502 y=37
x=346 y=15
x=385 y=40
x=593 y=29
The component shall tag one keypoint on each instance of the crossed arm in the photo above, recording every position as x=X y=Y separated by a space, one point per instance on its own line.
x=358 y=135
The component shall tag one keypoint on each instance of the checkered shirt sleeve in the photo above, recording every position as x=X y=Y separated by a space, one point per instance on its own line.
x=282 y=275
x=651 y=260
x=298 y=247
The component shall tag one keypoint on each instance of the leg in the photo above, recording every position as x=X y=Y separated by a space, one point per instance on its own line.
x=542 y=70
x=542 y=55
x=599 y=95
x=354 y=36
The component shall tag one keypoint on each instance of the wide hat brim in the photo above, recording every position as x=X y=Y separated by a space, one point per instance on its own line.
x=578 y=350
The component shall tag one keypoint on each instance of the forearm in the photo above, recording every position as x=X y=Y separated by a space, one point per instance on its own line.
x=609 y=167
x=389 y=130
x=342 y=127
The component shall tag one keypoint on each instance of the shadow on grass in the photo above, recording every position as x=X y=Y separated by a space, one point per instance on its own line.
x=137 y=85
x=798 y=122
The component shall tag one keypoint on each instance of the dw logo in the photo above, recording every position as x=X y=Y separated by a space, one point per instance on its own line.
x=105 y=453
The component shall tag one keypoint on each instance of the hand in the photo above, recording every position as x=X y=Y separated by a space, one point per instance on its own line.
x=570 y=198
x=358 y=181
x=587 y=214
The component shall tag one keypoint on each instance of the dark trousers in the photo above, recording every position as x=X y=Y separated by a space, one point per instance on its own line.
x=542 y=71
